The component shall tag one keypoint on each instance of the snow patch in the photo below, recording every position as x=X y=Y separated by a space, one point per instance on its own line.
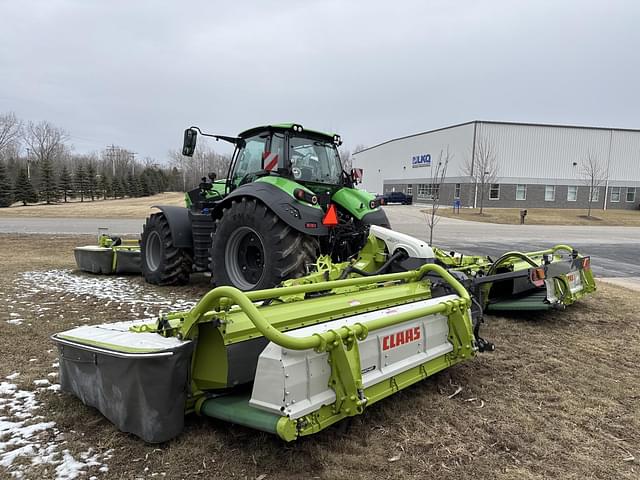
x=24 y=436
x=116 y=289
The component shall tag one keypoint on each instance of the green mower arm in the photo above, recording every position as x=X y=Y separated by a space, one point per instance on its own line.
x=214 y=300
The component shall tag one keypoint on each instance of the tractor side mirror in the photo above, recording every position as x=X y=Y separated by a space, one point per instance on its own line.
x=189 y=144
x=356 y=175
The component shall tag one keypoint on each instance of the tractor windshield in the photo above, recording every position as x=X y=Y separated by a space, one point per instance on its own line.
x=314 y=160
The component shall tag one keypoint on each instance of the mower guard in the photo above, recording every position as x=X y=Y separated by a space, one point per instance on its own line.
x=111 y=255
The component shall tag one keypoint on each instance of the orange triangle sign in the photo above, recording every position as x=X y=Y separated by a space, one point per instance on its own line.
x=331 y=217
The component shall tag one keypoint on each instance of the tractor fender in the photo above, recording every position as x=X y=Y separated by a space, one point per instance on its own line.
x=376 y=217
x=179 y=223
x=298 y=215
x=357 y=203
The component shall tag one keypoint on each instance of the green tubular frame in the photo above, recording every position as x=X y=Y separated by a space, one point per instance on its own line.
x=219 y=298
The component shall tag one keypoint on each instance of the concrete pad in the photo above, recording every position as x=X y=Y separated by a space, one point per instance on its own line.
x=632 y=283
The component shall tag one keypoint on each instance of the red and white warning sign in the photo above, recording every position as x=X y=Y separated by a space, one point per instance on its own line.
x=269 y=160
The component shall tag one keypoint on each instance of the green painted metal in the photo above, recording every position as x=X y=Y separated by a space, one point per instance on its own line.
x=355 y=201
x=346 y=373
x=287 y=185
x=225 y=297
x=209 y=368
x=235 y=408
x=532 y=302
x=106 y=345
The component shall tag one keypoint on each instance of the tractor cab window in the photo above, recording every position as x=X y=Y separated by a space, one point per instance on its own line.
x=249 y=158
x=314 y=161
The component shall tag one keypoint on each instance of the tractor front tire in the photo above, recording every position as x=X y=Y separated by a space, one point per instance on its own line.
x=162 y=262
x=252 y=249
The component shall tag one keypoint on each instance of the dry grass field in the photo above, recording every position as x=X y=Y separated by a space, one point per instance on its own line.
x=546 y=216
x=559 y=398
x=120 y=208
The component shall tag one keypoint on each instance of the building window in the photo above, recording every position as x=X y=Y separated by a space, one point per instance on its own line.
x=615 y=194
x=549 y=193
x=409 y=189
x=594 y=194
x=521 y=192
x=494 y=191
x=631 y=194
x=457 y=191
x=572 y=193
x=429 y=191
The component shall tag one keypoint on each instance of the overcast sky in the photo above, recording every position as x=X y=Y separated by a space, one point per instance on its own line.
x=137 y=73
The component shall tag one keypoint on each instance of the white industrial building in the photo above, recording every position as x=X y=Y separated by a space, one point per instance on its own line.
x=537 y=165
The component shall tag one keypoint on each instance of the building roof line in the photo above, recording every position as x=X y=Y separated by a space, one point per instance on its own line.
x=496 y=122
x=416 y=135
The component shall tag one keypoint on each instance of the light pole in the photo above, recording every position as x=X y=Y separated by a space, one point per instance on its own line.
x=28 y=163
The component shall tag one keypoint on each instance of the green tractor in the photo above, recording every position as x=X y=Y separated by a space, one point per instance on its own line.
x=286 y=201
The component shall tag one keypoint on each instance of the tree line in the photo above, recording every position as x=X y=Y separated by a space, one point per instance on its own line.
x=38 y=164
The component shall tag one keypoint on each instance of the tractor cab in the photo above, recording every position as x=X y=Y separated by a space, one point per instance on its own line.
x=307 y=157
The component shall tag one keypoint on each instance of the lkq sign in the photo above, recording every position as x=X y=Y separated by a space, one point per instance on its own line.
x=421 y=160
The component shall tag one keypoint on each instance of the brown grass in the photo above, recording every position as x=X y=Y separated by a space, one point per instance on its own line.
x=546 y=216
x=120 y=208
x=560 y=397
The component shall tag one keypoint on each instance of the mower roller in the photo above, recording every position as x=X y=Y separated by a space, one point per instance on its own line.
x=296 y=359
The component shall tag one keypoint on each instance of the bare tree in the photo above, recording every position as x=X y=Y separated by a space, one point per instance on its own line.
x=45 y=140
x=10 y=131
x=345 y=158
x=593 y=174
x=482 y=167
x=438 y=175
x=204 y=161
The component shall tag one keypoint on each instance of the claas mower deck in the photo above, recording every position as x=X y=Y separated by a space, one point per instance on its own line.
x=111 y=255
x=321 y=348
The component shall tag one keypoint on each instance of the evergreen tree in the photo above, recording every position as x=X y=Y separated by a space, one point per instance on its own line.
x=65 y=183
x=145 y=185
x=92 y=181
x=24 y=191
x=117 y=188
x=80 y=180
x=104 y=187
x=132 y=187
x=48 y=187
x=6 y=189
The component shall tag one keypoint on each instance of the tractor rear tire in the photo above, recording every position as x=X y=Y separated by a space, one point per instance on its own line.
x=252 y=249
x=162 y=262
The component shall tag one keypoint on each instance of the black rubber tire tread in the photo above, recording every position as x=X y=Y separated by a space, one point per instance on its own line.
x=287 y=251
x=176 y=264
